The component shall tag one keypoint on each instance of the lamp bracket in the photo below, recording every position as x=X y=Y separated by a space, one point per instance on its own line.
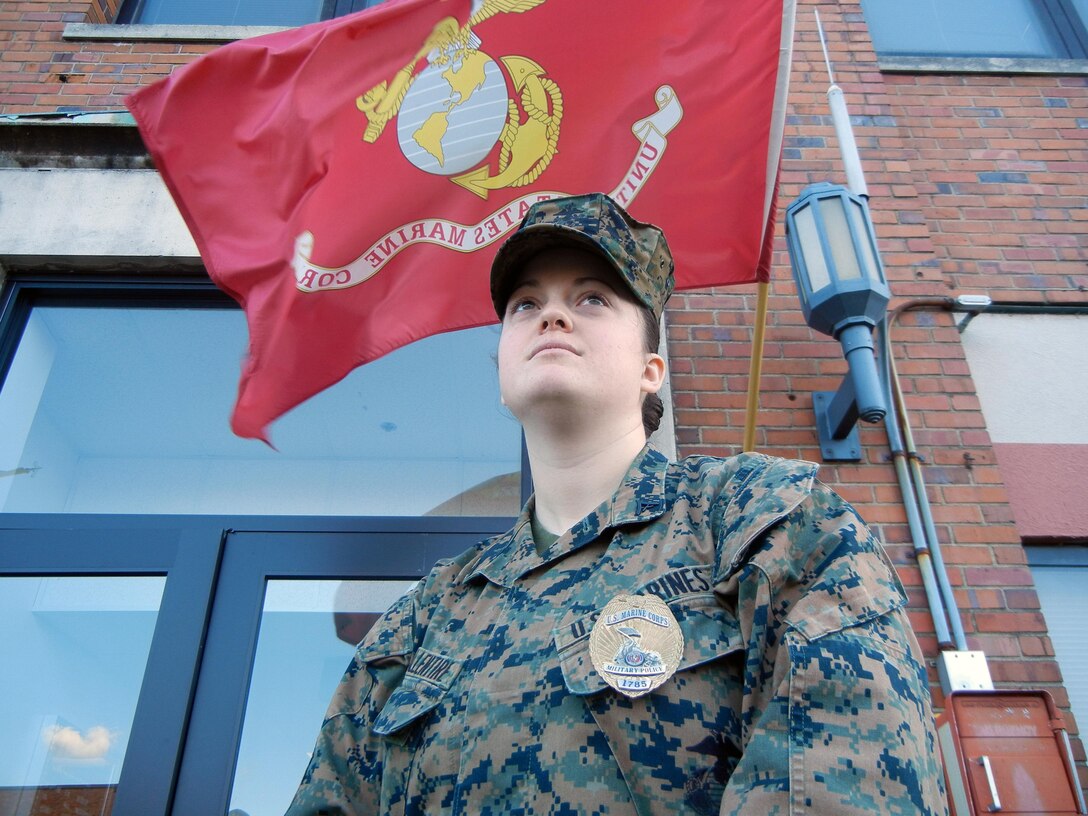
x=848 y=447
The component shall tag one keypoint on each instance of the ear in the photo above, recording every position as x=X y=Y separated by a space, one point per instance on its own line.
x=653 y=374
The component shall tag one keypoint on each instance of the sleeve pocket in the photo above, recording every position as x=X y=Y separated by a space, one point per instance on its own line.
x=427 y=681
x=379 y=663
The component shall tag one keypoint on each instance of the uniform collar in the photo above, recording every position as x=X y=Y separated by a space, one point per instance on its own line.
x=640 y=498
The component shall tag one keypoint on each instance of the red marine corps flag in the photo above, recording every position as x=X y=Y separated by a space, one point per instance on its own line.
x=348 y=182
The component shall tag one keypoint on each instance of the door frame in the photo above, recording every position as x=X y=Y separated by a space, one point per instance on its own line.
x=186 y=731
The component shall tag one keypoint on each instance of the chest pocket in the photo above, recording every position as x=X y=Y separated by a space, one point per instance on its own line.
x=425 y=684
x=710 y=632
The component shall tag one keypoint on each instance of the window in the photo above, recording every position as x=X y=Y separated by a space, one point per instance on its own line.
x=1060 y=574
x=286 y=13
x=125 y=410
x=100 y=642
x=157 y=611
x=1026 y=29
x=208 y=590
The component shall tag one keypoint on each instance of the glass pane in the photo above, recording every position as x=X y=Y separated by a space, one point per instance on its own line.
x=127 y=411
x=66 y=705
x=309 y=630
x=839 y=240
x=1061 y=596
x=861 y=230
x=238 y=12
x=1081 y=9
x=811 y=249
x=960 y=28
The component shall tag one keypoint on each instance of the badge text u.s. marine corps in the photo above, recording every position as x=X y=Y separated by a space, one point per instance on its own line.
x=636 y=644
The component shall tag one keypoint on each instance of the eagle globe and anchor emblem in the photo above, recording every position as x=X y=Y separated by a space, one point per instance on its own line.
x=452 y=114
x=486 y=124
x=632 y=655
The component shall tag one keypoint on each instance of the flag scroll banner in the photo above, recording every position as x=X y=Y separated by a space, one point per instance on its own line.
x=348 y=182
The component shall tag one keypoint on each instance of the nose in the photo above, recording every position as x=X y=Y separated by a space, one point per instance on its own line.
x=555 y=315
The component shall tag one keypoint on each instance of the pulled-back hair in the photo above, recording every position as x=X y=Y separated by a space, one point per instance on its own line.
x=652 y=406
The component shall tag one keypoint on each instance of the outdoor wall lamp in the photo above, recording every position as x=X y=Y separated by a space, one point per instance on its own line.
x=843 y=293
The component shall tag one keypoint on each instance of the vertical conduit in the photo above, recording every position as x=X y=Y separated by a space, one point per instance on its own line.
x=939 y=594
x=942 y=600
x=922 y=548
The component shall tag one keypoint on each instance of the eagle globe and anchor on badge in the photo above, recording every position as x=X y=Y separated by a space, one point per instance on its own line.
x=452 y=113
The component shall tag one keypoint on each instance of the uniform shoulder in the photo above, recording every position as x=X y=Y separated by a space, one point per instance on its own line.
x=449 y=570
x=744 y=468
x=400 y=628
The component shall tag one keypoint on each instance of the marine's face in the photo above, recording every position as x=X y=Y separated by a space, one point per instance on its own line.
x=572 y=335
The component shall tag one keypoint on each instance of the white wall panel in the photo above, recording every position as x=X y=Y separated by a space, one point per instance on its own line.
x=83 y=214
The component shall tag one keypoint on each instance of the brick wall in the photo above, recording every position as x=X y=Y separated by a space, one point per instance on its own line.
x=40 y=72
x=978 y=184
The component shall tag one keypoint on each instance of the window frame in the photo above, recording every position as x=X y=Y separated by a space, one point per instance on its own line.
x=1065 y=29
x=1070 y=28
x=251 y=558
x=1047 y=554
x=37 y=546
x=23 y=293
x=130 y=11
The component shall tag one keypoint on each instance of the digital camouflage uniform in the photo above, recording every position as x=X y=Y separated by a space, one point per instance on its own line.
x=800 y=690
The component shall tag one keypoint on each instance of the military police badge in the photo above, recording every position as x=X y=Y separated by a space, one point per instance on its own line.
x=636 y=644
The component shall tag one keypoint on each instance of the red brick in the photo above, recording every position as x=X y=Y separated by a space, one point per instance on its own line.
x=998 y=576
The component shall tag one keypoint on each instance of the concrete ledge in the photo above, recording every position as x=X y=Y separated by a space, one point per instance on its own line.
x=980 y=65
x=104 y=218
x=164 y=33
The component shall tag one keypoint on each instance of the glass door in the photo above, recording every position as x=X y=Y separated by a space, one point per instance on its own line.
x=290 y=608
x=308 y=633
x=102 y=628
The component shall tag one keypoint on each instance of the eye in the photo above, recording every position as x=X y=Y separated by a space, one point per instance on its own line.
x=520 y=305
x=594 y=299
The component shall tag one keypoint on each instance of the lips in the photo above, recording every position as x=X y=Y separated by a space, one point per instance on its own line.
x=553 y=346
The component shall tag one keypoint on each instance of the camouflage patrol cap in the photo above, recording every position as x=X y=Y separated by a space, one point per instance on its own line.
x=637 y=251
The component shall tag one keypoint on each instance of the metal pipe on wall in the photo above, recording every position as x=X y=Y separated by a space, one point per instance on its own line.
x=912 y=480
x=921 y=543
x=908 y=463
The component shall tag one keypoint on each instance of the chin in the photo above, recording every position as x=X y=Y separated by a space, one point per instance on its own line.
x=547 y=399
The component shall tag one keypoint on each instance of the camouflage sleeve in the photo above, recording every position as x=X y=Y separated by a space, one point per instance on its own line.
x=837 y=715
x=343 y=777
